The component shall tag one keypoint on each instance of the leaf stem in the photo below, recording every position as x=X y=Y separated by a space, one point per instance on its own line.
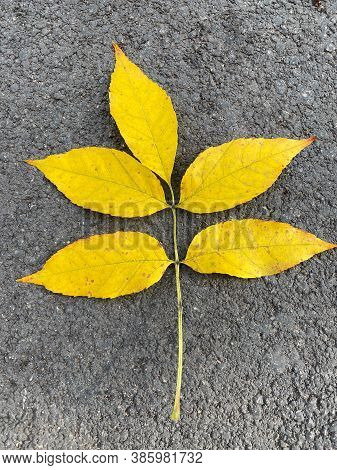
x=175 y=415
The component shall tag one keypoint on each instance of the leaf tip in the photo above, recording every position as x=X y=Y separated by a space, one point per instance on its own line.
x=331 y=246
x=30 y=279
x=26 y=279
x=118 y=50
x=311 y=139
x=34 y=163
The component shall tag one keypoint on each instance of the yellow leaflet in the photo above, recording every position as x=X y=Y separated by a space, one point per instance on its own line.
x=104 y=180
x=144 y=115
x=104 y=266
x=251 y=248
x=235 y=172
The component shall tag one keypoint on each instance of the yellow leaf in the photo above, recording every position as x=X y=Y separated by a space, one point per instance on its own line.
x=144 y=115
x=251 y=248
x=235 y=172
x=104 y=180
x=104 y=266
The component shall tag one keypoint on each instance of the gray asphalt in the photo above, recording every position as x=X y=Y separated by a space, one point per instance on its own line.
x=260 y=355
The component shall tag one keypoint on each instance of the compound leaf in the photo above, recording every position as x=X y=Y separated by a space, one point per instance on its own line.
x=235 y=172
x=104 y=266
x=104 y=180
x=251 y=248
x=144 y=115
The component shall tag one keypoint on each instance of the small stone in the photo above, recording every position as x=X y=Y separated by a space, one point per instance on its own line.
x=93 y=8
x=330 y=47
x=333 y=427
x=58 y=96
x=281 y=86
x=278 y=20
x=124 y=435
x=23 y=54
x=299 y=416
x=259 y=400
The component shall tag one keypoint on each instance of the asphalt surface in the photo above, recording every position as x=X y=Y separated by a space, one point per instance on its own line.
x=260 y=355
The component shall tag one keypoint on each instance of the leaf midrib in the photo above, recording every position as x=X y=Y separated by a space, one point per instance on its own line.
x=111 y=264
x=107 y=181
x=206 y=253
